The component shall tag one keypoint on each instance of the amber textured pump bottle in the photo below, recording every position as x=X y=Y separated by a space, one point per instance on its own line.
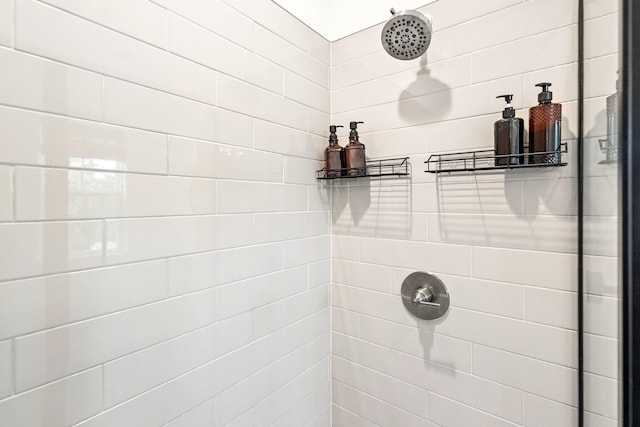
x=334 y=154
x=545 y=122
x=354 y=153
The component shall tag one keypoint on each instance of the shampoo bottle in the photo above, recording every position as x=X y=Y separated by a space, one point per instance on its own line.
x=354 y=152
x=509 y=136
x=334 y=154
x=545 y=122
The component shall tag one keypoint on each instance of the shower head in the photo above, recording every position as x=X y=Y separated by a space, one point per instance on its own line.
x=407 y=34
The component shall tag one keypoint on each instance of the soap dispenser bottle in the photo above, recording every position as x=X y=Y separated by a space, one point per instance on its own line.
x=545 y=122
x=509 y=136
x=354 y=152
x=334 y=154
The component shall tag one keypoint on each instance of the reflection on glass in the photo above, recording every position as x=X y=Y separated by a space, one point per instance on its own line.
x=609 y=145
x=85 y=239
x=601 y=214
x=95 y=194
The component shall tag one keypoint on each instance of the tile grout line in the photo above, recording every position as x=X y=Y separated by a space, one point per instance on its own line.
x=14 y=366
x=14 y=194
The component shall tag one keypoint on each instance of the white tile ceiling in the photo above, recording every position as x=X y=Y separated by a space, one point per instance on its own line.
x=334 y=19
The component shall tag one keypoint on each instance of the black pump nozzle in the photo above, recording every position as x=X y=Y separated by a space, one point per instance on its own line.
x=507 y=98
x=354 y=129
x=545 y=96
x=332 y=133
x=508 y=112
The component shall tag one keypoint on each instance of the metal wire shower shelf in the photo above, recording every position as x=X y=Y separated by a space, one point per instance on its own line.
x=373 y=168
x=486 y=160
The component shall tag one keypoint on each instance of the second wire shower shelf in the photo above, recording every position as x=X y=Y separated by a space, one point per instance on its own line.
x=373 y=168
x=484 y=160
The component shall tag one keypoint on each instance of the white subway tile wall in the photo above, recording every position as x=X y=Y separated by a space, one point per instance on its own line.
x=504 y=243
x=164 y=245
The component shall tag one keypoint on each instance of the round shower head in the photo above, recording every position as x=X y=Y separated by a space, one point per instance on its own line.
x=407 y=34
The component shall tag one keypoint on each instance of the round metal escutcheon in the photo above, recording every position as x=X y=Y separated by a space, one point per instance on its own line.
x=425 y=295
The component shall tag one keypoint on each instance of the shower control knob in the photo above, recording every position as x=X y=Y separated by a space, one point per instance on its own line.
x=425 y=296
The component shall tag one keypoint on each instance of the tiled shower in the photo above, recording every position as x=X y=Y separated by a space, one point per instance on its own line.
x=168 y=257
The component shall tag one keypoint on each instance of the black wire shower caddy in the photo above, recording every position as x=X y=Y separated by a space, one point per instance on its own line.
x=486 y=160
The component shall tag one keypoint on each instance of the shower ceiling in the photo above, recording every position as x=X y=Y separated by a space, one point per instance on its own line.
x=334 y=19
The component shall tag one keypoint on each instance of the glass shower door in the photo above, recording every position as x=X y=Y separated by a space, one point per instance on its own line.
x=600 y=209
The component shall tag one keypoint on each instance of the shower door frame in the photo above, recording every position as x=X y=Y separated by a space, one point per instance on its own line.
x=629 y=182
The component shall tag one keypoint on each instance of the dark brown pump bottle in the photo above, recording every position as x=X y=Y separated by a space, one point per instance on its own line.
x=354 y=153
x=545 y=122
x=509 y=136
x=334 y=154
